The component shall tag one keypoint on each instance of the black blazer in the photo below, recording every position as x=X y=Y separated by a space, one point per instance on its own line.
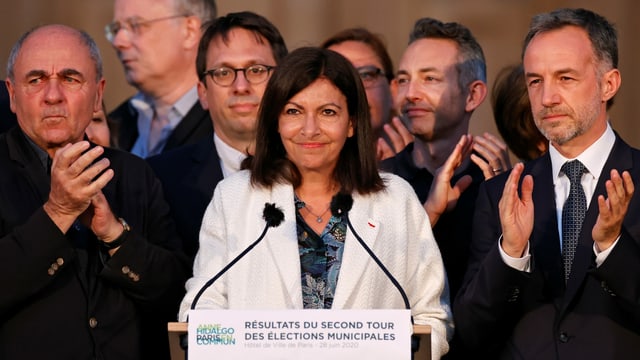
x=188 y=176
x=534 y=315
x=63 y=298
x=195 y=126
x=453 y=230
x=7 y=117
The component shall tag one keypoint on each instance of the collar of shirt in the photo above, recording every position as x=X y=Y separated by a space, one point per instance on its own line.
x=144 y=106
x=43 y=156
x=592 y=158
x=230 y=158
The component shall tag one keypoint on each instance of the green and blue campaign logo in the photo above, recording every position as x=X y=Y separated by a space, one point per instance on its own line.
x=215 y=334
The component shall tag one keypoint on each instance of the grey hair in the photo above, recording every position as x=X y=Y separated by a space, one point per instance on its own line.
x=601 y=32
x=205 y=10
x=87 y=40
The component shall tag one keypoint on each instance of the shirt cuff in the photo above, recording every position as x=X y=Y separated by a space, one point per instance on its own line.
x=601 y=256
x=520 y=264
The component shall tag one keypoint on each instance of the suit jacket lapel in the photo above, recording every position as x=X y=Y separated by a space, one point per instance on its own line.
x=545 y=243
x=619 y=159
x=32 y=184
x=355 y=259
x=20 y=151
x=188 y=126
x=126 y=118
x=204 y=157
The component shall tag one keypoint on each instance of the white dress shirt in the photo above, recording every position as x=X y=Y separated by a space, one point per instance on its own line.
x=593 y=160
x=230 y=158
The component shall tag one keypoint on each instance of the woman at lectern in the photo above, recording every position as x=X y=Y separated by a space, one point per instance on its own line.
x=315 y=161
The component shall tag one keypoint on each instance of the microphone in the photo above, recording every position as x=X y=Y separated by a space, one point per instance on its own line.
x=273 y=217
x=341 y=204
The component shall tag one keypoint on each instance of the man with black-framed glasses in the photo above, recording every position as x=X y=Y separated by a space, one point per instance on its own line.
x=236 y=57
x=156 y=41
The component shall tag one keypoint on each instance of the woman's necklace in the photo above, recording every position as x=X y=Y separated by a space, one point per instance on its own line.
x=318 y=217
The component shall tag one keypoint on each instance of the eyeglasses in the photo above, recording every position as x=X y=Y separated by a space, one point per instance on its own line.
x=369 y=75
x=225 y=76
x=132 y=25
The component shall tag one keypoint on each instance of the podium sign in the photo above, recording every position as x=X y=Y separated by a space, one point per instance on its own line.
x=291 y=334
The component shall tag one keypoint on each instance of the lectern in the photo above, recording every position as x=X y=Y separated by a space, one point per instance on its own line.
x=176 y=329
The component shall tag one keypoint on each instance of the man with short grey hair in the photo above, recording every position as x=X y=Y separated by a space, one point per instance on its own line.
x=157 y=42
x=555 y=265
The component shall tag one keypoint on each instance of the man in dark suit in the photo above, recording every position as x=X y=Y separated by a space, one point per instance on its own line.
x=193 y=127
x=156 y=41
x=236 y=56
x=79 y=281
x=555 y=267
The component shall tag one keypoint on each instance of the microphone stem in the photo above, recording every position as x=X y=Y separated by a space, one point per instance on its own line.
x=382 y=267
x=227 y=267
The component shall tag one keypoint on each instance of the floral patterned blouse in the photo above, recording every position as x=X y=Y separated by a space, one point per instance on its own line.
x=320 y=259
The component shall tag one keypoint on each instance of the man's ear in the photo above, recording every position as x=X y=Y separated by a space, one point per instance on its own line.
x=202 y=94
x=395 y=102
x=477 y=94
x=97 y=106
x=192 y=32
x=611 y=82
x=12 y=94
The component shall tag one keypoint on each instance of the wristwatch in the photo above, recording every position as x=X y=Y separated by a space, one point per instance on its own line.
x=120 y=239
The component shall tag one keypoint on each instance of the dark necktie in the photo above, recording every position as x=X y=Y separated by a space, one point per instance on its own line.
x=572 y=213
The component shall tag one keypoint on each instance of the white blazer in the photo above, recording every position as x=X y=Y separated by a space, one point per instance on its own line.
x=392 y=222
